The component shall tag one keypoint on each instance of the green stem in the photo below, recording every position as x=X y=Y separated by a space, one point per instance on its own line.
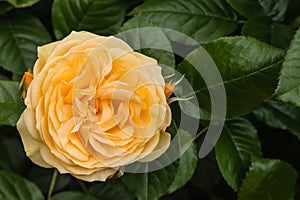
x=242 y=21
x=52 y=184
x=200 y=133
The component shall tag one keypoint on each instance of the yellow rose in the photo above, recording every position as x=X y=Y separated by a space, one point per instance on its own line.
x=93 y=106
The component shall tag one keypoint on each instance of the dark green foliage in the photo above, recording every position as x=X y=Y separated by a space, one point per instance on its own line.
x=255 y=46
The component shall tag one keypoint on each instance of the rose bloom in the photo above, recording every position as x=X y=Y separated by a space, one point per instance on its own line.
x=93 y=106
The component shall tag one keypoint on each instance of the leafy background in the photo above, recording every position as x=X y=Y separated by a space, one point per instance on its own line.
x=256 y=46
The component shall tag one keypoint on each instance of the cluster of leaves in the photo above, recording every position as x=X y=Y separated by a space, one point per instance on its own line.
x=256 y=47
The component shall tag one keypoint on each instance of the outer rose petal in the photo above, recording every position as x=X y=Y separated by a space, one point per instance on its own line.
x=100 y=175
x=161 y=147
x=93 y=106
x=43 y=53
x=32 y=146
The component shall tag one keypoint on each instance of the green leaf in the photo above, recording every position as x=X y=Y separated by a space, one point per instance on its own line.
x=274 y=9
x=155 y=184
x=262 y=28
x=200 y=19
x=268 y=179
x=11 y=105
x=15 y=187
x=185 y=169
x=237 y=143
x=137 y=32
x=5 y=7
x=103 y=17
x=19 y=37
x=22 y=3
x=70 y=195
x=290 y=73
x=146 y=186
x=105 y=191
x=280 y=116
x=292 y=97
x=12 y=155
x=146 y=37
x=244 y=71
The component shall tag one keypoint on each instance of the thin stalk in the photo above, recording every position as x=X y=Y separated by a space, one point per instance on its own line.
x=52 y=184
x=200 y=133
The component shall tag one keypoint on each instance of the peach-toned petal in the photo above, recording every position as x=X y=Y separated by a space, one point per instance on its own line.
x=100 y=175
x=162 y=146
x=94 y=106
x=32 y=146
x=43 y=53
